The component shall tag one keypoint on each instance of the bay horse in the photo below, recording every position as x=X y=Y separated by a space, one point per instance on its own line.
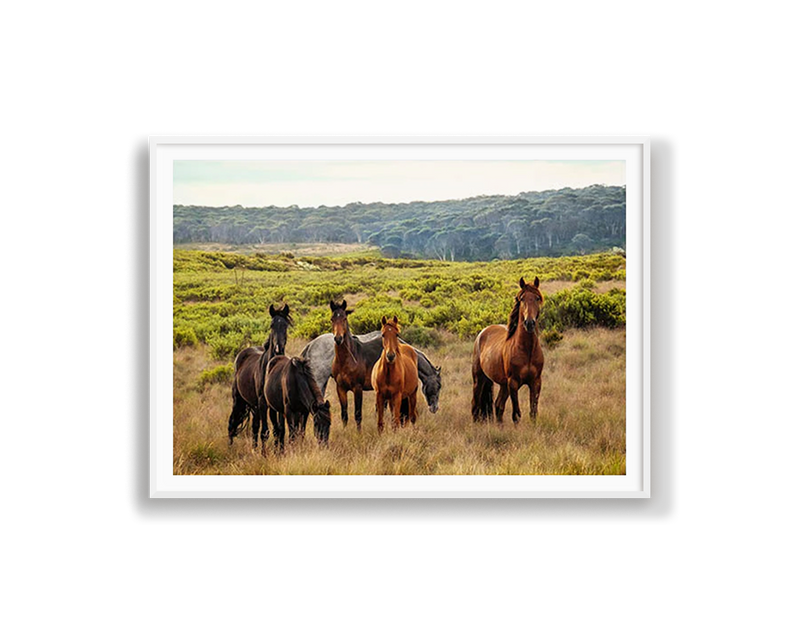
x=394 y=376
x=290 y=390
x=248 y=378
x=510 y=356
x=350 y=369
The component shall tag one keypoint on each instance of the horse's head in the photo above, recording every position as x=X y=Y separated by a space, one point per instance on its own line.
x=279 y=329
x=529 y=300
x=390 y=330
x=322 y=421
x=431 y=388
x=339 y=324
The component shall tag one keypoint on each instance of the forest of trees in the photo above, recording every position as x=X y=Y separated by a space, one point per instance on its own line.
x=536 y=223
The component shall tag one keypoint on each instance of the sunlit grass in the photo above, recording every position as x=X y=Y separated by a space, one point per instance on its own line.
x=581 y=426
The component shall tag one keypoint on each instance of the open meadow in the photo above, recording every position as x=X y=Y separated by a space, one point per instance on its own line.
x=221 y=302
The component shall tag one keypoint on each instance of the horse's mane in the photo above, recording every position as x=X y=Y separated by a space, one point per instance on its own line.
x=513 y=319
x=306 y=384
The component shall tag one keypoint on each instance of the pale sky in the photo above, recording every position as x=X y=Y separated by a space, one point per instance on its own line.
x=310 y=183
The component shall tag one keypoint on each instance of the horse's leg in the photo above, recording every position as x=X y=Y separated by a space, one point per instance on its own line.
x=380 y=404
x=412 y=407
x=358 y=399
x=303 y=422
x=264 y=428
x=500 y=402
x=293 y=420
x=278 y=428
x=256 y=425
x=513 y=389
x=261 y=416
x=342 y=393
x=397 y=400
x=535 y=388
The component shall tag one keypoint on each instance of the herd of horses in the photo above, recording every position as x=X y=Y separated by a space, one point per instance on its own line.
x=270 y=386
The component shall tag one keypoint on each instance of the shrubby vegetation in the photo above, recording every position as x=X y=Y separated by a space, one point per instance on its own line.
x=536 y=223
x=221 y=299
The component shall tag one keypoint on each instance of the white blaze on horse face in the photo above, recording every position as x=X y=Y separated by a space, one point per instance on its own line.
x=389 y=334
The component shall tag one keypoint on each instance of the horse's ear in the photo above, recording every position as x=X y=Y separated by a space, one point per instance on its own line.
x=349 y=311
x=344 y=304
x=285 y=310
x=272 y=310
x=438 y=369
x=383 y=320
x=395 y=320
x=536 y=282
x=522 y=283
x=333 y=306
x=327 y=404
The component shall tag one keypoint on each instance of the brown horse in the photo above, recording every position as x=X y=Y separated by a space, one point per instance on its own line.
x=510 y=356
x=395 y=376
x=291 y=391
x=350 y=369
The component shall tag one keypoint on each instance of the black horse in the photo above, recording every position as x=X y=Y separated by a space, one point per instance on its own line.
x=290 y=390
x=250 y=368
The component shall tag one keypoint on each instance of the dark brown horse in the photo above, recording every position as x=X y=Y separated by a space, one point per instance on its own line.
x=510 y=356
x=394 y=376
x=291 y=391
x=248 y=378
x=351 y=369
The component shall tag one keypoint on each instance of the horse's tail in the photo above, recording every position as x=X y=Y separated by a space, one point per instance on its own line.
x=239 y=413
x=482 y=399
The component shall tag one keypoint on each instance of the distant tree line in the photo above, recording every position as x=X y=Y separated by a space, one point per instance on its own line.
x=535 y=223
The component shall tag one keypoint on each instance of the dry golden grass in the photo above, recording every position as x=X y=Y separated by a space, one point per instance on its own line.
x=580 y=430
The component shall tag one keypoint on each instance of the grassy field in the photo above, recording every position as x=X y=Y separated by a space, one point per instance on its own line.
x=581 y=426
x=580 y=430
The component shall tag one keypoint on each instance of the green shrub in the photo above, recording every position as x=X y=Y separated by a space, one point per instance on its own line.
x=582 y=308
x=551 y=337
x=183 y=337
x=313 y=324
x=221 y=374
x=214 y=307
x=227 y=346
x=421 y=337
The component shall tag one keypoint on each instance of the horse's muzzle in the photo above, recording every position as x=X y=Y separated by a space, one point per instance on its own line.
x=338 y=339
x=390 y=357
x=530 y=325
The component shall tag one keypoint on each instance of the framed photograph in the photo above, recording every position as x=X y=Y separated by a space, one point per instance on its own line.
x=400 y=317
